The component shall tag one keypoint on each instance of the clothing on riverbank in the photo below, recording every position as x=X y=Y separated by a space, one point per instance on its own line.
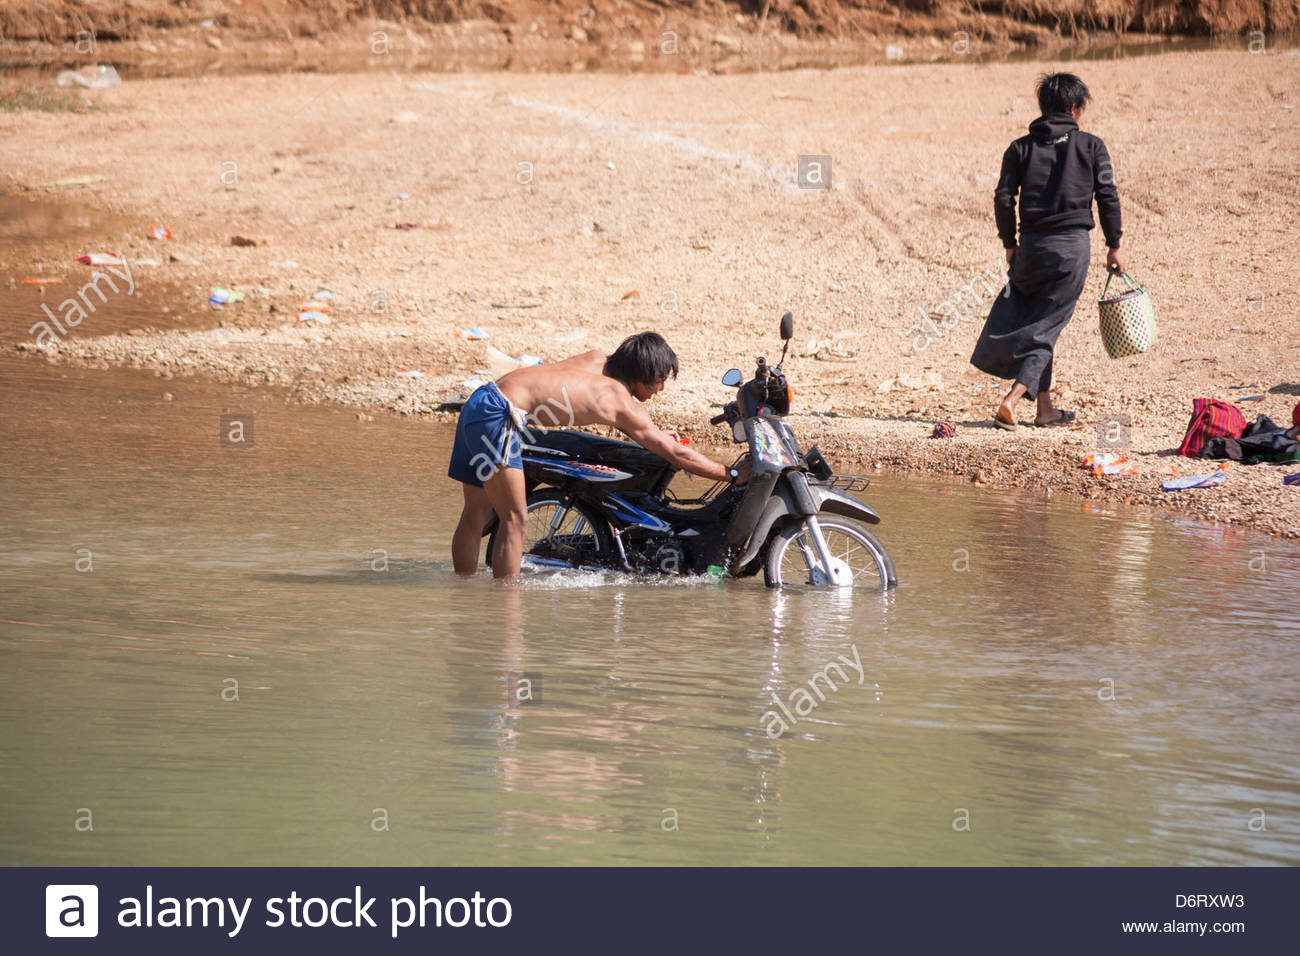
x=1262 y=440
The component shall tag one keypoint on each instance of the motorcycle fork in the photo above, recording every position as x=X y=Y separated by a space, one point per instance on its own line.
x=825 y=563
x=824 y=557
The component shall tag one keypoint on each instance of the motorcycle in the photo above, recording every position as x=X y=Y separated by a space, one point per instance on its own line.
x=601 y=504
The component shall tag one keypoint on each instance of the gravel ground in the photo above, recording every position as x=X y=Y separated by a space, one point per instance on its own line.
x=541 y=202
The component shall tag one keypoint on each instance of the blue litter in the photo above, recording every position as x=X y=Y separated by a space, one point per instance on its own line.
x=1195 y=481
x=1291 y=479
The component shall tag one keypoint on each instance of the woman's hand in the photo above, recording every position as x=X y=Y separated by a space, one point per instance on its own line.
x=1114 y=261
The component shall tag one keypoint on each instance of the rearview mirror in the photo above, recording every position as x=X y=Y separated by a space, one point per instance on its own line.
x=787 y=326
x=733 y=377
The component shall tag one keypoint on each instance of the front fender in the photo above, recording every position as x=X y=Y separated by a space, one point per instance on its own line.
x=781 y=505
x=840 y=503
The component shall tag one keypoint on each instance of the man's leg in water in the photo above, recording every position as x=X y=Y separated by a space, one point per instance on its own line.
x=507 y=492
x=469 y=531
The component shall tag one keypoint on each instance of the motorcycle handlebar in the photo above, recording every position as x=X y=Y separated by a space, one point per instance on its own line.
x=718 y=419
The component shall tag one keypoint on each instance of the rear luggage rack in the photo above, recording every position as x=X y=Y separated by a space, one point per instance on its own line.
x=848 y=482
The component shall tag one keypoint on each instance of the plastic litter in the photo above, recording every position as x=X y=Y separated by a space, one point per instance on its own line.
x=1212 y=480
x=221 y=295
x=410 y=373
x=314 y=309
x=472 y=333
x=41 y=281
x=406 y=225
x=1249 y=398
x=630 y=295
x=1105 y=464
x=1291 y=479
x=104 y=258
x=158 y=232
x=527 y=359
x=472 y=383
x=91 y=77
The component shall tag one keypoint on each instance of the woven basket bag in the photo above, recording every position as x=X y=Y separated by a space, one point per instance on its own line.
x=1128 y=323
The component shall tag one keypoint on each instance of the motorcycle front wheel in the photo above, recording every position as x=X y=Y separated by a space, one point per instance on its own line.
x=791 y=555
x=559 y=535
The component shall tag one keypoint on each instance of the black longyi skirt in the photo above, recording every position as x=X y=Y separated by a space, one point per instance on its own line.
x=1047 y=276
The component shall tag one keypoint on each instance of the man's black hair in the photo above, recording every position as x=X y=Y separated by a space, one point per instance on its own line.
x=644 y=358
x=1061 y=93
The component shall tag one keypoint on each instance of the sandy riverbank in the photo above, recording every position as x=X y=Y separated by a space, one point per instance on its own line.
x=542 y=200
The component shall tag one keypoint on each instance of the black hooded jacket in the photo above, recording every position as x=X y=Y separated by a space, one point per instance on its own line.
x=1056 y=169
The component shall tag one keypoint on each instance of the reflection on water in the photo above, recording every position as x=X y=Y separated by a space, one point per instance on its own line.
x=1047 y=686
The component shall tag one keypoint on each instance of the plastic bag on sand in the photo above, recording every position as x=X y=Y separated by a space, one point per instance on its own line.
x=91 y=77
x=1212 y=480
x=221 y=295
x=1103 y=464
x=105 y=258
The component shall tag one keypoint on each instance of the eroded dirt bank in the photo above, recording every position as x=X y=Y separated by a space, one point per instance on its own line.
x=166 y=38
x=539 y=203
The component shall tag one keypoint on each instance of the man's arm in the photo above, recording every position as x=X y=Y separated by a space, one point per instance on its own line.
x=1103 y=185
x=1004 y=197
x=636 y=424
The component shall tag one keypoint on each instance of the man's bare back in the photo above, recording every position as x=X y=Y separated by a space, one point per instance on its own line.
x=576 y=391
x=567 y=393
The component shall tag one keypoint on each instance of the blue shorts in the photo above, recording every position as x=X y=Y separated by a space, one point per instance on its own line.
x=486 y=438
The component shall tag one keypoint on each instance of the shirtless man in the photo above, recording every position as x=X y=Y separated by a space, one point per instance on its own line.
x=588 y=389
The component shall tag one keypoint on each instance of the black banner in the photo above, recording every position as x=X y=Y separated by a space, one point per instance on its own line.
x=148 y=910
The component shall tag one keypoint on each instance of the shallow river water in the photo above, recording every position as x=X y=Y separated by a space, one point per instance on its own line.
x=1048 y=685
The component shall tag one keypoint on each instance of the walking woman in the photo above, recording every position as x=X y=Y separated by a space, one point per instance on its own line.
x=1056 y=169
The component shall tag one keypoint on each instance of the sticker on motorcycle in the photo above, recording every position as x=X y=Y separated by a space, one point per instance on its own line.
x=768 y=447
x=581 y=469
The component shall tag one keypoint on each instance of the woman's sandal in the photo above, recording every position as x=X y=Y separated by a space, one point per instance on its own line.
x=1065 y=418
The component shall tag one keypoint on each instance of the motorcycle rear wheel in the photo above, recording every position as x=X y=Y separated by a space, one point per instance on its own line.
x=853 y=544
x=577 y=530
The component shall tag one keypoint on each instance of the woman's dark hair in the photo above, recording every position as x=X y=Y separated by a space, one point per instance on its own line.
x=644 y=358
x=1061 y=93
